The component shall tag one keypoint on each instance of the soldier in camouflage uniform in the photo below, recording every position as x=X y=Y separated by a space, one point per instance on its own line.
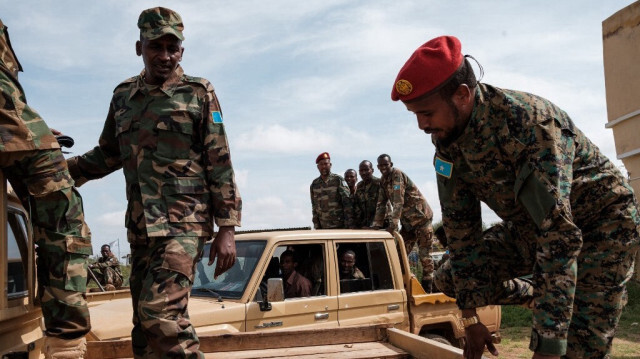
x=365 y=199
x=331 y=205
x=165 y=130
x=351 y=177
x=107 y=269
x=574 y=214
x=34 y=165
x=410 y=210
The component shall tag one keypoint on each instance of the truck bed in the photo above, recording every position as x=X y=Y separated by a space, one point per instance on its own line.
x=351 y=343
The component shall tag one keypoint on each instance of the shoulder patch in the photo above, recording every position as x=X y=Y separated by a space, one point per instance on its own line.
x=216 y=116
x=396 y=187
x=443 y=168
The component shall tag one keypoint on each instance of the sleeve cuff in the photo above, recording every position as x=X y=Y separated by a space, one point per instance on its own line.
x=547 y=346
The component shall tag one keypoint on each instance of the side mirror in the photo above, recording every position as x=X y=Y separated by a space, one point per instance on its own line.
x=275 y=293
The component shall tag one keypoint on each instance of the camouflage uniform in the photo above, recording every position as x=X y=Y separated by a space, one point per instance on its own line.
x=409 y=209
x=31 y=160
x=331 y=204
x=365 y=201
x=172 y=146
x=109 y=271
x=575 y=214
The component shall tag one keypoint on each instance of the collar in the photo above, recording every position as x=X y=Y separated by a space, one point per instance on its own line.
x=168 y=87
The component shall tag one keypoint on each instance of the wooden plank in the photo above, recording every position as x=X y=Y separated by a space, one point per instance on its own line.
x=337 y=351
x=291 y=338
x=422 y=348
x=109 y=349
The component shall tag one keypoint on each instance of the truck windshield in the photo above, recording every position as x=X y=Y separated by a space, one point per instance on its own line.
x=233 y=282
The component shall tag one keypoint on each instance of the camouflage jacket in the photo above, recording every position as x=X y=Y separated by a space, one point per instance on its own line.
x=172 y=146
x=409 y=207
x=365 y=201
x=331 y=205
x=110 y=261
x=21 y=128
x=524 y=158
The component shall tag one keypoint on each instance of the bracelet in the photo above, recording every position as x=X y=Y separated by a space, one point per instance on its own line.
x=467 y=322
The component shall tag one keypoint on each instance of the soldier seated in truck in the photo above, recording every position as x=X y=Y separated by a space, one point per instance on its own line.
x=348 y=269
x=295 y=284
x=107 y=269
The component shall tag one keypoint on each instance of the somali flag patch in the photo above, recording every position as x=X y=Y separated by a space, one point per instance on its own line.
x=443 y=168
x=216 y=116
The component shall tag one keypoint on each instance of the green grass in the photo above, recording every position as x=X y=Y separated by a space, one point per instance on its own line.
x=126 y=273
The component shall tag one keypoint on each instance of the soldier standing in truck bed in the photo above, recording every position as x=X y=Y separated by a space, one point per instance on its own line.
x=331 y=205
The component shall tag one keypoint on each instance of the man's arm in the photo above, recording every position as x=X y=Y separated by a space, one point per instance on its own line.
x=381 y=208
x=398 y=188
x=347 y=204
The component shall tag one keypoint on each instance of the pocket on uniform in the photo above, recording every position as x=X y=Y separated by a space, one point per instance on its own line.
x=77 y=250
x=180 y=256
x=175 y=137
x=533 y=194
x=187 y=199
x=123 y=129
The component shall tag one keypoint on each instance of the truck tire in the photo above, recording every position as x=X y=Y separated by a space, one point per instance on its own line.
x=437 y=338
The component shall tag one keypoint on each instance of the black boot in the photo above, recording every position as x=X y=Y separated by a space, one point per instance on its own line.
x=427 y=285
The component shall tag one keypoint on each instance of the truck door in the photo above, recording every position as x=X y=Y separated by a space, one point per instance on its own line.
x=308 y=299
x=368 y=292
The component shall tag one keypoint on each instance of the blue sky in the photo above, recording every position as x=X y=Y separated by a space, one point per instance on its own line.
x=296 y=78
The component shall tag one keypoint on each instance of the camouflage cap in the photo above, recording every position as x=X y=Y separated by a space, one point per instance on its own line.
x=159 y=21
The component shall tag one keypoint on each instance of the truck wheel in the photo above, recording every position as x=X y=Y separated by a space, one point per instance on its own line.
x=437 y=338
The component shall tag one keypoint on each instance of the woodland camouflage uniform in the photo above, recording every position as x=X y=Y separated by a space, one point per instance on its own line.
x=171 y=143
x=573 y=212
x=108 y=271
x=411 y=211
x=365 y=201
x=34 y=165
x=331 y=204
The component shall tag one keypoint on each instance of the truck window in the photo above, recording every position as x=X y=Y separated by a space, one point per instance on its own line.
x=363 y=267
x=308 y=263
x=232 y=283
x=17 y=255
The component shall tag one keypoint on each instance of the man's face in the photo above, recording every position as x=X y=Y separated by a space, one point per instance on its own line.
x=105 y=251
x=161 y=57
x=324 y=166
x=347 y=262
x=287 y=265
x=366 y=171
x=439 y=118
x=385 y=165
x=350 y=177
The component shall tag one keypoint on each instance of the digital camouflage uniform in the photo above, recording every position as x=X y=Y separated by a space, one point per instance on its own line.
x=410 y=210
x=108 y=271
x=172 y=146
x=331 y=204
x=365 y=201
x=34 y=165
x=575 y=214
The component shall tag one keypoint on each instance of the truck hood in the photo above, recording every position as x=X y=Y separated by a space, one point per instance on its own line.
x=112 y=320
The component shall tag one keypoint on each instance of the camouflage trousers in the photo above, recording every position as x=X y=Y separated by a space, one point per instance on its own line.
x=108 y=275
x=162 y=274
x=604 y=267
x=42 y=181
x=423 y=236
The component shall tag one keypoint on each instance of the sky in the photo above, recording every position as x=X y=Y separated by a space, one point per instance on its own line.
x=297 y=78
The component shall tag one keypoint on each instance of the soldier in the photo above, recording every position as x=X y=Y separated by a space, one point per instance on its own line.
x=107 y=269
x=409 y=210
x=348 y=269
x=365 y=199
x=165 y=129
x=34 y=165
x=351 y=178
x=331 y=206
x=569 y=205
x=295 y=284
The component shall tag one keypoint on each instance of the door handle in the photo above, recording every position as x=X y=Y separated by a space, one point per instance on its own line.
x=391 y=307
x=321 y=316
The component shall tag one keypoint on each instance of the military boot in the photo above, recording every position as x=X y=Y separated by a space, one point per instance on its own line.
x=427 y=285
x=58 y=348
x=109 y=288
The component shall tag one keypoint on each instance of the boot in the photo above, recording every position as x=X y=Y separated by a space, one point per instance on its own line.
x=58 y=348
x=427 y=285
x=109 y=287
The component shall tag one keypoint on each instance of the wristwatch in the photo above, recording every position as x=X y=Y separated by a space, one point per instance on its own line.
x=467 y=322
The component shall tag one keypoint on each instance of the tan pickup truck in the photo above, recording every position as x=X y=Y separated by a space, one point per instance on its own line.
x=240 y=301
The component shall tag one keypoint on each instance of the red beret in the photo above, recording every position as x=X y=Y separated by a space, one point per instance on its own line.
x=429 y=67
x=322 y=156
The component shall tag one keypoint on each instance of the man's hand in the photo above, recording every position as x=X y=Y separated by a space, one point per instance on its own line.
x=544 y=356
x=477 y=337
x=224 y=247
